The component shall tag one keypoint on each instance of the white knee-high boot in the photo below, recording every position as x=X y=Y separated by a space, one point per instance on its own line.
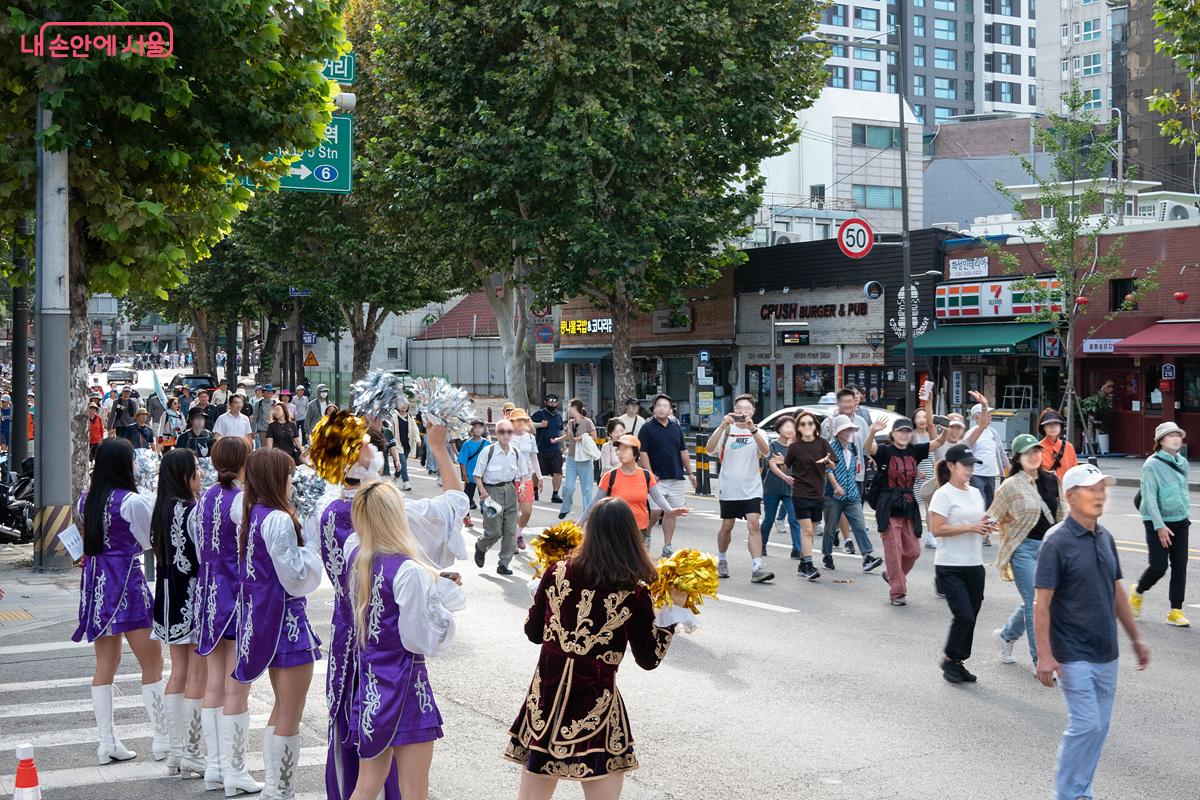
x=173 y=707
x=233 y=755
x=270 y=773
x=110 y=748
x=285 y=754
x=210 y=723
x=192 y=732
x=153 y=698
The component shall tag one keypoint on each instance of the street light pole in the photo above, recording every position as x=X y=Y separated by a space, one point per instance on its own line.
x=910 y=366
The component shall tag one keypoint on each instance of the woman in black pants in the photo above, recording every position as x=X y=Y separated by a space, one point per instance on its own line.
x=958 y=519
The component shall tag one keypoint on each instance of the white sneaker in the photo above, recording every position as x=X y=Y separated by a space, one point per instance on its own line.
x=407 y=486
x=1006 y=647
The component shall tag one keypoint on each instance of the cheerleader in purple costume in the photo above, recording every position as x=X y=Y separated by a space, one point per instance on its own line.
x=172 y=534
x=437 y=526
x=225 y=717
x=114 y=598
x=276 y=569
x=402 y=613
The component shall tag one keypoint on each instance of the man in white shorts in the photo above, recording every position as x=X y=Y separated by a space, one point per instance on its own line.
x=665 y=453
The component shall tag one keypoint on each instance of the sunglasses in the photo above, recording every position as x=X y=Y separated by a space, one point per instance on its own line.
x=504 y=433
x=806 y=422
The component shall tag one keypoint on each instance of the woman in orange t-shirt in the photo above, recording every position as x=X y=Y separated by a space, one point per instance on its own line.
x=632 y=484
x=1058 y=455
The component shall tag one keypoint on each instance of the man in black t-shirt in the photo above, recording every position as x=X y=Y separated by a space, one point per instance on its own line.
x=197 y=437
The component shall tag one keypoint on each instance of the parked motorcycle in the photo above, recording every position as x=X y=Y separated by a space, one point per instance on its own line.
x=16 y=502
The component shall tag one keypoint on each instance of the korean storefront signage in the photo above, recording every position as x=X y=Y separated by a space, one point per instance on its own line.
x=1099 y=345
x=785 y=311
x=667 y=320
x=968 y=268
x=582 y=327
x=998 y=299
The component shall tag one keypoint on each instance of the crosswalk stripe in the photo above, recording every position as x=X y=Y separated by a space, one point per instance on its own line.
x=130 y=700
x=44 y=647
x=139 y=770
x=62 y=683
x=73 y=736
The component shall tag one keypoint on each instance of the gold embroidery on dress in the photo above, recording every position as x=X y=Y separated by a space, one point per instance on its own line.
x=516 y=751
x=591 y=721
x=663 y=637
x=581 y=641
x=617 y=741
x=611 y=657
x=562 y=769
x=623 y=762
x=534 y=701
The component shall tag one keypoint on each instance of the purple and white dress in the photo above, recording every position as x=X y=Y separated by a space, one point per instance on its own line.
x=275 y=573
x=218 y=516
x=410 y=616
x=113 y=594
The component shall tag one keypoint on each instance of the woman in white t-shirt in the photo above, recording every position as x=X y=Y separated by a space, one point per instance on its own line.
x=959 y=521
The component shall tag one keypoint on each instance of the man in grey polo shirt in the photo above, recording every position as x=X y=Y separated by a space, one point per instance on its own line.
x=1078 y=603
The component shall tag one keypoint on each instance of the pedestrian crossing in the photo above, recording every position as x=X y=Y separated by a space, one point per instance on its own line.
x=54 y=714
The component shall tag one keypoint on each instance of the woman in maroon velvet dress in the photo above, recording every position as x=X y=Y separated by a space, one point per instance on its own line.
x=573 y=723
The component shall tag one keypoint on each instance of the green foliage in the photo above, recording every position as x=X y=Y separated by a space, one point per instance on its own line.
x=1179 y=22
x=152 y=186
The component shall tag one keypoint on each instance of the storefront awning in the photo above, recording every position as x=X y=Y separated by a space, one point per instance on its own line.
x=1162 y=338
x=989 y=339
x=582 y=355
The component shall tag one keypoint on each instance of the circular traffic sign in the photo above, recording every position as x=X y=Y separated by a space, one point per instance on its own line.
x=544 y=334
x=326 y=173
x=855 y=237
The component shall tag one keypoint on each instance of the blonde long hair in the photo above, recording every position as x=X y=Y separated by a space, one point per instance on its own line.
x=377 y=514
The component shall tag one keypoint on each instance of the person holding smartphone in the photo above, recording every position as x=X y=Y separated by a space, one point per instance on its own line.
x=739 y=445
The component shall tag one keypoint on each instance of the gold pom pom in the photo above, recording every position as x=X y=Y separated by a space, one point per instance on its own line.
x=691 y=572
x=554 y=544
x=337 y=441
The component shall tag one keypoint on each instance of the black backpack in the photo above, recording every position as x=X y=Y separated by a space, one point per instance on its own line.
x=1137 y=498
x=612 y=478
x=876 y=486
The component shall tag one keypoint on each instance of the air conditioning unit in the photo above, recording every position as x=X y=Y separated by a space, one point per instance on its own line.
x=1169 y=211
x=785 y=237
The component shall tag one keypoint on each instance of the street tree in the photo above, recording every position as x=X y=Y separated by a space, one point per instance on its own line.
x=156 y=145
x=598 y=149
x=1073 y=216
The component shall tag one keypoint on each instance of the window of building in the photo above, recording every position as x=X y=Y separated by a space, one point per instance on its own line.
x=866 y=54
x=837 y=50
x=817 y=191
x=1094 y=100
x=1063 y=33
x=918 y=55
x=874 y=136
x=1088 y=2
x=919 y=85
x=1033 y=94
x=891 y=21
x=822 y=230
x=866 y=18
x=945 y=29
x=1065 y=66
x=919 y=112
x=945 y=58
x=834 y=15
x=837 y=77
x=1117 y=289
x=1093 y=63
x=968 y=90
x=866 y=80
x=968 y=31
x=1091 y=30
x=891 y=58
x=1008 y=34
x=1010 y=64
x=393 y=353
x=1008 y=8
x=919 y=25
x=1031 y=36
x=867 y=196
x=918 y=3
x=969 y=61
x=945 y=88
x=1033 y=66
x=891 y=83
x=945 y=5
x=942 y=114
x=1032 y=14
x=1006 y=92
x=1189 y=383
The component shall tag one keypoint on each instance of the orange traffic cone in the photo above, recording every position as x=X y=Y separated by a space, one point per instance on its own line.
x=26 y=785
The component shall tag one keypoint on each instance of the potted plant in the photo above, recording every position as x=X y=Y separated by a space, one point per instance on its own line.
x=1095 y=409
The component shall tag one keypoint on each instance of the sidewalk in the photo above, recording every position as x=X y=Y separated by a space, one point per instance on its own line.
x=34 y=600
x=1127 y=470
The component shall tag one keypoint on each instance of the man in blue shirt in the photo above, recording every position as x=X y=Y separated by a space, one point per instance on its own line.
x=549 y=423
x=1078 y=603
x=665 y=453
x=6 y=413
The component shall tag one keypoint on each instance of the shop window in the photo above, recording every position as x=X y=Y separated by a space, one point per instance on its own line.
x=1117 y=289
x=1187 y=388
x=809 y=384
x=1153 y=395
x=393 y=353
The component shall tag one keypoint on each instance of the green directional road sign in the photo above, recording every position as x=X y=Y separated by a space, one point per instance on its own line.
x=327 y=168
x=340 y=69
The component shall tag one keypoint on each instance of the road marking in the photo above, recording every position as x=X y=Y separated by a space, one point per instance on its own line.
x=139 y=770
x=127 y=733
x=63 y=683
x=756 y=604
x=65 y=707
x=17 y=649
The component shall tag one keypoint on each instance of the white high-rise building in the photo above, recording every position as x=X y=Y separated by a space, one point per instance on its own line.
x=1076 y=45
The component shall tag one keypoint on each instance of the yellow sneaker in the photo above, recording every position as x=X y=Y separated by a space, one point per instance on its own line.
x=1177 y=619
x=1135 y=602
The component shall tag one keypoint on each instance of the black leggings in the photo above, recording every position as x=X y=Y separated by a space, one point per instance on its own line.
x=963 y=587
x=1177 y=554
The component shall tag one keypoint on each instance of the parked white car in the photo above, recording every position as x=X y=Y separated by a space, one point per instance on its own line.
x=821 y=412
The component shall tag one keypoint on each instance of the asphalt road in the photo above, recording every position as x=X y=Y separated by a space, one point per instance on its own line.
x=788 y=689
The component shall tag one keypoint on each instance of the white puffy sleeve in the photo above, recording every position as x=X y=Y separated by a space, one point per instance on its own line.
x=310 y=527
x=298 y=568
x=236 y=509
x=137 y=509
x=437 y=525
x=426 y=622
x=193 y=526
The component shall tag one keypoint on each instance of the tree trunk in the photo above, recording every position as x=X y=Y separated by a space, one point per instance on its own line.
x=245 y=365
x=510 y=308
x=231 y=348
x=210 y=367
x=80 y=328
x=200 y=337
x=364 y=345
x=622 y=337
x=266 y=361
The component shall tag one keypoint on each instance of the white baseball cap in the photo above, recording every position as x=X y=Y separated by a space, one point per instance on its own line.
x=842 y=422
x=1085 y=475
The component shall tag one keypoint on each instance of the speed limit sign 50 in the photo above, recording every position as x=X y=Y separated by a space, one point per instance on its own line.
x=855 y=237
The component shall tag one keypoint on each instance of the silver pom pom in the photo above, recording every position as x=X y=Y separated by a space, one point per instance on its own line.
x=307 y=489
x=145 y=469
x=208 y=473
x=378 y=394
x=444 y=404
